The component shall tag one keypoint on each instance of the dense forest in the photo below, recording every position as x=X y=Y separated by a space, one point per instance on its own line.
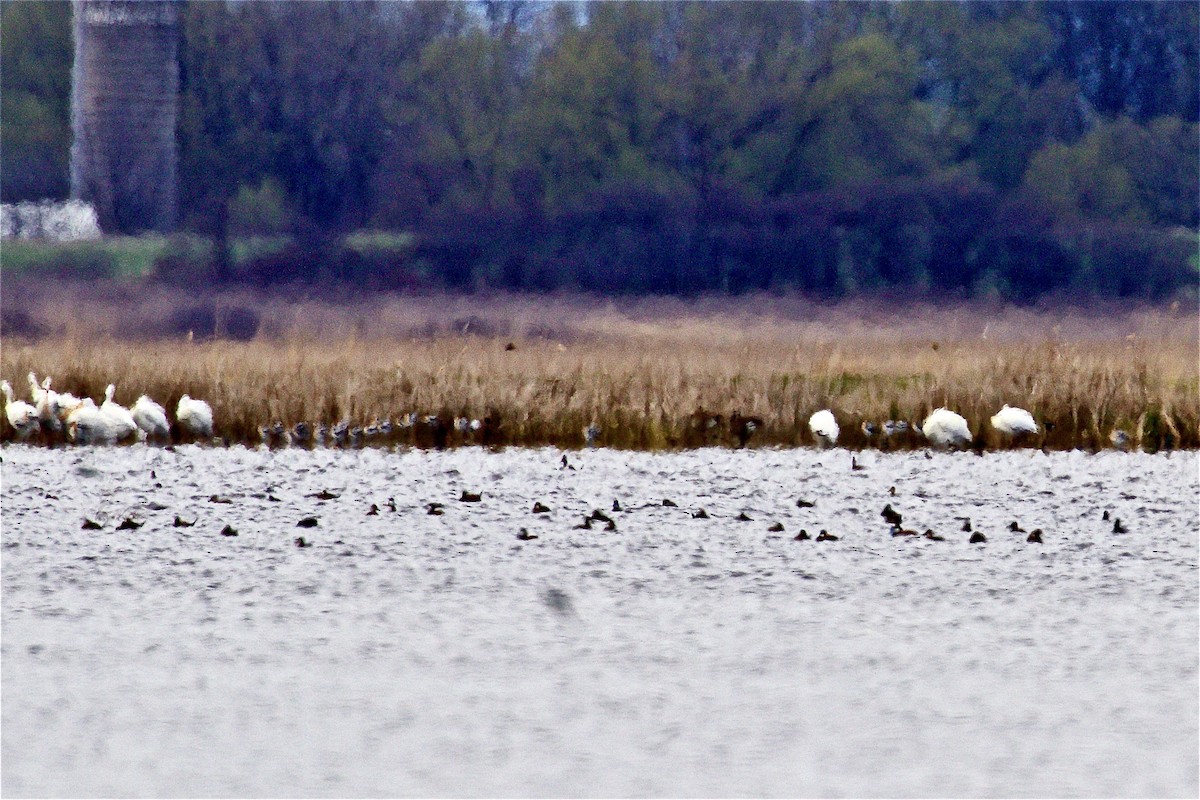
x=927 y=149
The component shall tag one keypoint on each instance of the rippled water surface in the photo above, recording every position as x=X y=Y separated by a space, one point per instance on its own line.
x=410 y=654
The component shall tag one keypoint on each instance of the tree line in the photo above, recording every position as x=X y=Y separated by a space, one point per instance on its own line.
x=1011 y=149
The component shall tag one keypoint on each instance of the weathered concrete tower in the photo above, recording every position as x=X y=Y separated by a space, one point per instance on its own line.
x=123 y=99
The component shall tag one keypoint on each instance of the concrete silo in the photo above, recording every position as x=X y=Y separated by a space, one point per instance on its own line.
x=123 y=108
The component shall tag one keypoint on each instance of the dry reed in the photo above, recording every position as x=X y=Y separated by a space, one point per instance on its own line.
x=647 y=373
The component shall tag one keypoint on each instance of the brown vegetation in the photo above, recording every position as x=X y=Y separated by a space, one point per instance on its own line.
x=650 y=374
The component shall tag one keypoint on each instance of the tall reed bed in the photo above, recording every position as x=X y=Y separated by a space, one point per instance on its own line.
x=655 y=376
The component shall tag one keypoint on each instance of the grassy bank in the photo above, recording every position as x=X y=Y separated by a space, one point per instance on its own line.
x=185 y=259
x=109 y=257
x=649 y=374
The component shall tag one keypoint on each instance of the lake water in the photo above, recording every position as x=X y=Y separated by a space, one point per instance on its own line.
x=412 y=654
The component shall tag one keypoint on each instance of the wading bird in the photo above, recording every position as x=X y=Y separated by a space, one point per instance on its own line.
x=195 y=417
x=150 y=418
x=21 y=415
x=944 y=428
x=120 y=421
x=86 y=425
x=824 y=427
x=1013 y=422
x=45 y=400
x=66 y=403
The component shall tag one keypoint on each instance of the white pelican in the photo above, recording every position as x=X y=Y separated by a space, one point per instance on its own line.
x=46 y=402
x=824 y=427
x=66 y=403
x=1014 y=421
x=87 y=425
x=944 y=428
x=151 y=418
x=40 y=395
x=195 y=417
x=21 y=415
x=120 y=420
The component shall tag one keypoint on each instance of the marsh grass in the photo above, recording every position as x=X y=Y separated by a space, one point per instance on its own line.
x=650 y=374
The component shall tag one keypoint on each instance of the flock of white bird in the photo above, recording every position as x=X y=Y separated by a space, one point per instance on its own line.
x=84 y=422
x=942 y=428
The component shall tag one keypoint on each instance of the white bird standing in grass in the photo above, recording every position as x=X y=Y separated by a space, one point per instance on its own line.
x=195 y=417
x=1013 y=422
x=21 y=415
x=66 y=403
x=151 y=418
x=121 y=424
x=36 y=393
x=46 y=402
x=944 y=428
x=86 y=425
x=824 y=427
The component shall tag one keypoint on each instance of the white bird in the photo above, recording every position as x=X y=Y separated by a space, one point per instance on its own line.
x=151 y=418
x=66 y=403
x=87 y=425
x=120 y=420
x=21 y=415
x=1119 y=439
x=38 y=394
x=46 y=402
x=195 y=417
x=824 y=427
x=1014 y=421
x=944 y=428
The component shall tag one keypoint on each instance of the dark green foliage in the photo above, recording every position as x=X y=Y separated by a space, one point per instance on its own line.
x=35 y=100
x=920 y=149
